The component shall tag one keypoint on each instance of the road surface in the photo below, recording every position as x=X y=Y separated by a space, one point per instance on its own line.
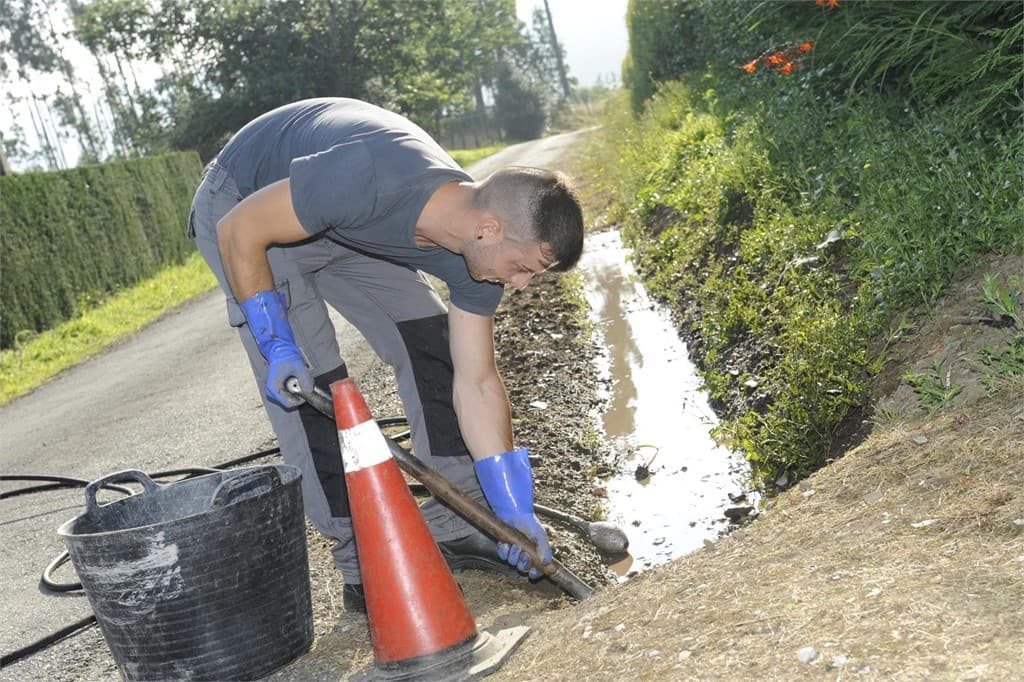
x=177 y=394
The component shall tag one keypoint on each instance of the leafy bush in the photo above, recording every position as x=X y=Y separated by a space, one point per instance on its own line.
x=920 y=51
x=663 y=44
x=73 y=237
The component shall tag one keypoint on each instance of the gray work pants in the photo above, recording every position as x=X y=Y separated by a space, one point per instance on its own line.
x=405 y=323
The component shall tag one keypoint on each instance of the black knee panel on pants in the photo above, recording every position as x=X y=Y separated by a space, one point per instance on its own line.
x=426 y=342
x=322 y=435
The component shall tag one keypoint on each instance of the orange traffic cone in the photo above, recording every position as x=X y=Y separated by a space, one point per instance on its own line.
x=419 y=623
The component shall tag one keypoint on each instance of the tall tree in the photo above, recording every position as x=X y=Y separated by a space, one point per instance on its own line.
x=33 y=38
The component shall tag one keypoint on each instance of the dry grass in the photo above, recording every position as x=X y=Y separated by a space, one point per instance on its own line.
x=903 y=560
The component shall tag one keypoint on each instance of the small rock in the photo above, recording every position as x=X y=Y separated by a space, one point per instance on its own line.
x=805 y=485
x=807 y=654
x=924 y=524
x=839 y=661
x=807 y=493
x=737 y=514
x=684 y=654
x=875 y=591
x=1018 y=522
x=751 y=383
x=919 y=440
x=782 y=481
x=975 y=673
x=539 y=404
x=620 y=627
x=708 y=544
x=873 y=496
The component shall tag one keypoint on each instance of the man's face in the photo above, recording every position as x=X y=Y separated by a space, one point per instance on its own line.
x=508 y=262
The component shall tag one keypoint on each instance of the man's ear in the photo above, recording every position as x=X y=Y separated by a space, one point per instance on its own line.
x=489 y=230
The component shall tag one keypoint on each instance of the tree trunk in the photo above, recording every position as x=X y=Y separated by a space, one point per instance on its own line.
x=558 y=52
x=5 y=168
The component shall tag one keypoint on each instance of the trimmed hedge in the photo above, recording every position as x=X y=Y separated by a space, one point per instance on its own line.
x=662 y=45
x=70 y=238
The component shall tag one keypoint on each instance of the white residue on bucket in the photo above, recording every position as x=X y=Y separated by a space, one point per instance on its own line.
x=127 y=590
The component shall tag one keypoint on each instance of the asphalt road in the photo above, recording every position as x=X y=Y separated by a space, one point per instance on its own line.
x=177 y=394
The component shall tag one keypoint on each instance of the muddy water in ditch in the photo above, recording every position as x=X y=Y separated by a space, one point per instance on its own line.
x=672 y=483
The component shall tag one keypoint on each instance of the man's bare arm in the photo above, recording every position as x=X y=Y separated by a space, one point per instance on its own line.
x=261 y=220
x=481 y=402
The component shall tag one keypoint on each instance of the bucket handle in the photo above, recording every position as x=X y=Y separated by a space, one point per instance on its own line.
x=244 y=486
x=148 y=485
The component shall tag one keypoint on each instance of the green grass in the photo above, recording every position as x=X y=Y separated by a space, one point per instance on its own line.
x=41 y=357
x=467 y=157
x=788 y=229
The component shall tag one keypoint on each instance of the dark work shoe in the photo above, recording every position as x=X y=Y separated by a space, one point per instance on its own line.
x=477 y=552
x=353 y=597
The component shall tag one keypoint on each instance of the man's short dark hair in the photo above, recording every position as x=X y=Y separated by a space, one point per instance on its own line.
x=538 y=204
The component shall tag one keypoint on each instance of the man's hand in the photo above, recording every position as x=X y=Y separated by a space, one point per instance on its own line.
x=507 y=482
x=268 y=321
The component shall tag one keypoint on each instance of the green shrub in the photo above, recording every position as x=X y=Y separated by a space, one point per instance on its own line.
x=919 y=51
x=785 y=227
x=662 y=45
x=71 y=238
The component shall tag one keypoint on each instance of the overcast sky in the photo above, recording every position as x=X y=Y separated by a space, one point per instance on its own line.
x=593 y=33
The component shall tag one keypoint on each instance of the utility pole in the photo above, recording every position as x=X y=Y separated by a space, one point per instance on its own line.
x=558 y=51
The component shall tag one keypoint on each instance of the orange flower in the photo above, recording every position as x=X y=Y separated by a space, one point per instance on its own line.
x=750 y=67
x=832 y=3
x=788 y=68
x=776 y=59
x=805 y=47
x=819 y=3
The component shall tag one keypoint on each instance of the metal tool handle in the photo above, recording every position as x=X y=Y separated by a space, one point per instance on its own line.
x=487 y=521
x=467 y=507
x=148 y=485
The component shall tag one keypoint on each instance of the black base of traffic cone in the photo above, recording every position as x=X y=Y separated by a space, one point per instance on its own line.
x=476 y=657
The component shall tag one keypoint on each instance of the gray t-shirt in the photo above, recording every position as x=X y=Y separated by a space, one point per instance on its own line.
x=362 y=175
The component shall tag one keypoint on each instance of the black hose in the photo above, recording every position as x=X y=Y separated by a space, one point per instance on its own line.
x=51 y=584
x=41 y=644
x=57 y=482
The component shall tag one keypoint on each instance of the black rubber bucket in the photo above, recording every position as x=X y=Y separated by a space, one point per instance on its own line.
x=203 y=579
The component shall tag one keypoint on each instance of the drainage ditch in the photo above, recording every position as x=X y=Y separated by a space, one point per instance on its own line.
x=672 y=484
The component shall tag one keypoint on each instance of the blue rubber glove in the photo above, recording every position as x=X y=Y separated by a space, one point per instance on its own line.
x=268 y=321
x=507 y=482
